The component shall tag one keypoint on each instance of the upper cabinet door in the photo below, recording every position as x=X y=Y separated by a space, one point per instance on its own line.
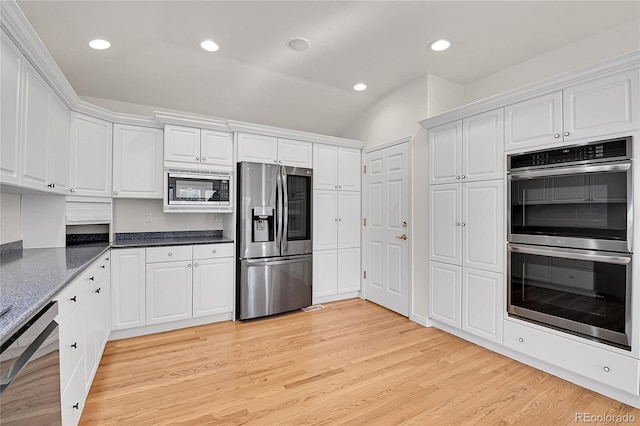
x=257 y=148
x=445 y=153
x=482 y=146
x=534 y=122
x=295 y=153
x=11 y=64
x=325 y=166
x=59 y=158
x=349 y=169
x=182 y=144
x=137 y=162
x=602 y=106
x=216 y=148
x=91 y=147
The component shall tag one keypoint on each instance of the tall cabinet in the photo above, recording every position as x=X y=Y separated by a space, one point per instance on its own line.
x=336 y=224
x=466 y=245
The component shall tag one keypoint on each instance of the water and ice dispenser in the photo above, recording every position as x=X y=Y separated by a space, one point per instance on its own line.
x=263 y=224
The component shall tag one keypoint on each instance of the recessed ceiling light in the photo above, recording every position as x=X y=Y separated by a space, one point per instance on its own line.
x=298 y=44
x=440 y=45
x=360 y=87
x=209 y=46
x=99 y=44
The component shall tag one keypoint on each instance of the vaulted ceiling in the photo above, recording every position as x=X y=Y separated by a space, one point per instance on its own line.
x=155 y=57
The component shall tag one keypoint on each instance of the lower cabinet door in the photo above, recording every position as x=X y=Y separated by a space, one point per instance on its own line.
x=213 y=286
x=348 y=270
x=169 y=291
x=127 y=288
x=444 y=293
x=482 y=303
x=73 y=398
x=325 y=272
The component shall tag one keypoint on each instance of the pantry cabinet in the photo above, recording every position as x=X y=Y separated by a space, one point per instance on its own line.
x=336 y=271
x=270 y=149
x=336 y=168
x=197 y=146
x=137 y=162
x=90 y=156
x=337 y=220
x=591 y=109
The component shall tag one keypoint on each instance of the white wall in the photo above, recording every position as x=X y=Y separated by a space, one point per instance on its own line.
x=10 y=218
x=129 y=216
x=598 y=48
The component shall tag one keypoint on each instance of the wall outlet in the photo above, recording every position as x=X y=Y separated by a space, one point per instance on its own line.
x=215 y=218
x=148 y=218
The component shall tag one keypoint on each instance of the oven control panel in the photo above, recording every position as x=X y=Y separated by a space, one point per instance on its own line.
x=616 y=149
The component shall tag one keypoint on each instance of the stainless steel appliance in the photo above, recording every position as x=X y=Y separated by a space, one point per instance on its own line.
x=570 y=224
x=274 y=232
x=30 y=372
x=197 y=191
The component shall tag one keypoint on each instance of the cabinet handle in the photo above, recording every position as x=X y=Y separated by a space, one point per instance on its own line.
x=464 y=177
x=73 y=299
x=336 y=186
x=336 y=219
x=275 y=161
x=567 y=133
x=339 y=219
x=204 y=158
x=98 y=290
x=339 y=186
x=457 y=177
x=50 y=185
x=92 y=278
x=72 y=190
x=557 y=135
x=457 y=223
x=280 y=161
x=76 y=405
x=189 y=265
x=170 y=254
x=102 y=266
x=464 y=224
x=214 y=252
x=197 y=158
x=107 y=259
x=75 y=345
x=115 y=192
x=606 y=369
x=520 y=339
x=195 y=265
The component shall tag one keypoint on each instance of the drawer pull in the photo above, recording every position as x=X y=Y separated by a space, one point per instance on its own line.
x=102 y=266
x=170 y=254
x=606 y=369
x=98 y=290
x=214 y=252
x=73 y=299
x=92 y=278
x=520 y=339
x=75 y=345
x=189 y=265
x=76 y=405
x=195 y=265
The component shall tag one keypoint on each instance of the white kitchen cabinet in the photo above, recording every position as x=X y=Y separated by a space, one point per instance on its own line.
x=445 y=242
x=336 y=168
x=336 y=220
x=349 y=270
x=128 y=288
x=598 y=107
x=90 y=156
x=168 y=291
x=483 y=303
x=445 y=288
x=137 y=162
x=270 y=149
x=213 y=286
x=325 y=273
x=197 y=146
x=467 y=150
x=11 y=76
x=59 y=144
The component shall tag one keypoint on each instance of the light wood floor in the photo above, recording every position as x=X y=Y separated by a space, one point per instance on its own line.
x=351 y=363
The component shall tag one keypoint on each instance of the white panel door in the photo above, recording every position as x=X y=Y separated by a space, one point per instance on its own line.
x=35 y=147
x=325 y=220
x=325 y=273
x=483 y=225
x=213 y=286
x=91 y=148
x=349 y=170
x=349 y=271
x=445 y=153
x=445 y=224
x=388 y=232
x=444 y=293
x=483 y=147
x=216 y=148
x=295 y=153
x=169 y=291
x=534 y=122
x=137 y=162
x=483 y=303
x=348 y=219
x=127 y=288
x=602 y=106
x=11 y=74
x=325 y=166
x=59 y=159
x=257 y=148
x=181 y=144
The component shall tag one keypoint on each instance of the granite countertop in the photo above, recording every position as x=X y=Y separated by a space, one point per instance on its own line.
x=30 y=278
x=169 y=241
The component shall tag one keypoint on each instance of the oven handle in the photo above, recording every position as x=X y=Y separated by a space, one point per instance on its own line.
x=613 y=167
x=595 y=256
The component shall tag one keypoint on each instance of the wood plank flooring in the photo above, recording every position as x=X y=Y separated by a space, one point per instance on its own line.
x=351 y=363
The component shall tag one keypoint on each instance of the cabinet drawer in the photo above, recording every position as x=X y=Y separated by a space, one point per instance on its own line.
x=73 y=294
x=71 y=348
x=618 y=371
x=169 y=253
x=73 y=398
x=209 y=251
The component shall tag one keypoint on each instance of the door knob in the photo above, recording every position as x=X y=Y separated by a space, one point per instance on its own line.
x=402 y=237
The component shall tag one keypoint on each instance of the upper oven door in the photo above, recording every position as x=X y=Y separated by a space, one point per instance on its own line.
x=587 y=207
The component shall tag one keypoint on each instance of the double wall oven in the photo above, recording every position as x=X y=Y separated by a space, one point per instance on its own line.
x=570 y=233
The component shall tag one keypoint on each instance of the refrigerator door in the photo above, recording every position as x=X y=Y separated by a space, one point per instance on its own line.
x=297 y=208
x=273 y=286
x=258 y=210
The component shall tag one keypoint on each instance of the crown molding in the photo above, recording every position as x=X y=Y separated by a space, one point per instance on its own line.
x=191 y=121
x=611 y=66
x=239 y=126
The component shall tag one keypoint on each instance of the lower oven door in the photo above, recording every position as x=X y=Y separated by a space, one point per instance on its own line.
x=580 y=291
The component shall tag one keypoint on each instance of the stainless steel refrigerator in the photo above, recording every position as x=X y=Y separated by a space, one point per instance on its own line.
x=274 y=239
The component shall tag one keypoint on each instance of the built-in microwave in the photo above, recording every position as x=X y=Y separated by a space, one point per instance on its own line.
x=195 y=191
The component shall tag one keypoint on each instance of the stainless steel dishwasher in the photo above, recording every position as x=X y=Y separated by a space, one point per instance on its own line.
x=30 y=372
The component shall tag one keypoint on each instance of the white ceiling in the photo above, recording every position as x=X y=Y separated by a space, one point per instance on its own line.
x=156 y=60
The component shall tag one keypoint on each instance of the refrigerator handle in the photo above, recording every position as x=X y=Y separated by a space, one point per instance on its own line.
x=285 y=198
x=279 y=208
